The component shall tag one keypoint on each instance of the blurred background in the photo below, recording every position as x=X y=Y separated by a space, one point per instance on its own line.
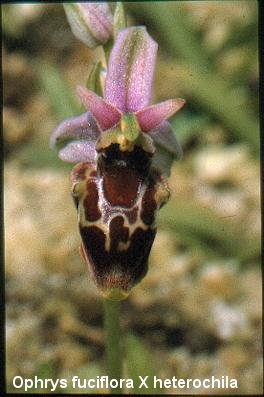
x=197 y=313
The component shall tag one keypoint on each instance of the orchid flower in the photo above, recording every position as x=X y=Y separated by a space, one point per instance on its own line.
x=124 y=147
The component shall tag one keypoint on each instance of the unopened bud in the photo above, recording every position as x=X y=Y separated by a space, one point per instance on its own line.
x=92 y=23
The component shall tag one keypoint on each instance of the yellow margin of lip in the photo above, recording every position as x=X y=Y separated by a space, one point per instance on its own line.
x=114 y=294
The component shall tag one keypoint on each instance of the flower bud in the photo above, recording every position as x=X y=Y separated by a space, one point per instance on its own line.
x=92 y=23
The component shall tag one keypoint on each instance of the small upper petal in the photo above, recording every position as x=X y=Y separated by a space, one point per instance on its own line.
x=150 y=117
x=130 y=70
x=104 y=112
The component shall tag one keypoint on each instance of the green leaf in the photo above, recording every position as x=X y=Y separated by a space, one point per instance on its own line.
x=206 y=230
x=59 y=95
x=187 y=125
x=39 y=155
x=211 y=92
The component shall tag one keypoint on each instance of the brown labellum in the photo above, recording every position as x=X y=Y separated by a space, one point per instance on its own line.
x=117 y=201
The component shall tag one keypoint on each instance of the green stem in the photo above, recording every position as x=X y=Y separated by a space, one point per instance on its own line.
x=107 y=50
x=113 y=347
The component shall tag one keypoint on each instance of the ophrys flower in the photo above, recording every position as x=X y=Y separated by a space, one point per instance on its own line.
x=124 y=148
